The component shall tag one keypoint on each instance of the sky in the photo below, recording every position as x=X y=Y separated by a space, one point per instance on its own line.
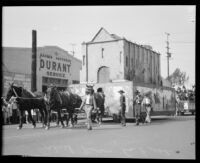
x=69 y=26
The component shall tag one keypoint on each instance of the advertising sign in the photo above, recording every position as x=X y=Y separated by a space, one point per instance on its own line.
x=57 y=66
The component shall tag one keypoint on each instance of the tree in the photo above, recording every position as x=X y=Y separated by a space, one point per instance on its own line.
x=178 y=77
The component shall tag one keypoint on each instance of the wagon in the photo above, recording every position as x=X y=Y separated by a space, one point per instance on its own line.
x=163 y=98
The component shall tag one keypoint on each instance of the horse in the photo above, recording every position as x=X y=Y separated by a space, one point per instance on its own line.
x=58 y=100
x=100 y=99
x=27 y=100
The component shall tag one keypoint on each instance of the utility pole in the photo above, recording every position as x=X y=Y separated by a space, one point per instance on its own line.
x=168 y=53
x=73 y=52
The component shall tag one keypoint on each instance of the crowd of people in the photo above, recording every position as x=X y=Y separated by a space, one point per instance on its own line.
x=10 y=114
x=9 y=111
x=183 y=96
x=186 y=94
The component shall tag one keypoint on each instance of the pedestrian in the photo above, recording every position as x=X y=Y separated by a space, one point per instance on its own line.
x=146 y=103
x=100 y=100
x=122 y=108
x=4 y=104
x=26 y=116
x=88 y=104
x=9 y=113
x=177 y=105
x=33 y=113
x=3 y=109
x=14 y=108
x=137 y=106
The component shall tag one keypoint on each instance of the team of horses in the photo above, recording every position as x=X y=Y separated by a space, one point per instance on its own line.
x=53 y=100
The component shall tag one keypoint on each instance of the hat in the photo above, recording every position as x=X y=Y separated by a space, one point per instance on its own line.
x=121 y=91
x=51 y=85
x=89 y=88
x=137 y=91
x=99 y=90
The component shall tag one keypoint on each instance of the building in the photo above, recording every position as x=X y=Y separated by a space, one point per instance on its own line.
x=109 y=58
x=54 y=65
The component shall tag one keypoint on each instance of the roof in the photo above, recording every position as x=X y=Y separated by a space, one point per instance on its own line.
x=60 y=49
x=18 y=59
x=104 y=35
x=116 y=36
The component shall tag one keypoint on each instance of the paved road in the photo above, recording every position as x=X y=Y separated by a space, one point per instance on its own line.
x=165 y=138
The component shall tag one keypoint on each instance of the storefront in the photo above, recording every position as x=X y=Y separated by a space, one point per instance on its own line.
x=54 y=66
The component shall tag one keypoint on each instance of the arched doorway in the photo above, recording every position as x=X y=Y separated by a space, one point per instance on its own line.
x=103 y=75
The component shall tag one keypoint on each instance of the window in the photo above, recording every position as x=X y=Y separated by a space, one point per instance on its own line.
x=120 y=57
x=83 y=60
x=102 y=52
x=126 y=61
x=132 y=62
x=75 y=82
x=64 y=82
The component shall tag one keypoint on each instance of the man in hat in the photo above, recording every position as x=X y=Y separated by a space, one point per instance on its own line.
x=146 y=103
x=177 y=105
x=122 y=107
x=100 y=100
x=89 y=104
x=137 y=103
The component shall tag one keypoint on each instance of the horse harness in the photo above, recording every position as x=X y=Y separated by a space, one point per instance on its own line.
x=15 y=92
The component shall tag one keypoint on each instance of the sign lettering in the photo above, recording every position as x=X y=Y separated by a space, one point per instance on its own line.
x=54 y=65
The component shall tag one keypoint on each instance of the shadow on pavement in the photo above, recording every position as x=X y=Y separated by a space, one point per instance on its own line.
x=110 y=128
x=155 y=120
x=161 y=120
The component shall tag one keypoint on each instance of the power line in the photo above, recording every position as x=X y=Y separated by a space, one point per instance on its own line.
x=182 y=42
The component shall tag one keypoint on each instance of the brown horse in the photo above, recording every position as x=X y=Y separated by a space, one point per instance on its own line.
x=100 y=100
x=58 y=100
x=27 y=100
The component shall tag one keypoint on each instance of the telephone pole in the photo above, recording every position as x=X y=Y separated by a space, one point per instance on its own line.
x=168 y=53
x=73 y=52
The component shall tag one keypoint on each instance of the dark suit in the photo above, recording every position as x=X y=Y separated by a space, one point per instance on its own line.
x=137 y=105
x=122 y=109
x=100 y=99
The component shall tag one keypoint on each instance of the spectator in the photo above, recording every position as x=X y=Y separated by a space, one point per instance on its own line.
x=122 y=108
x=137 y=105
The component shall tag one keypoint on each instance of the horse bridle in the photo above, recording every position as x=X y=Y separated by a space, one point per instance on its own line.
x=47 y=98
x=57 y=94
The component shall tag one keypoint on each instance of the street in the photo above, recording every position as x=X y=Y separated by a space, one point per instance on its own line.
x=165 y=138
